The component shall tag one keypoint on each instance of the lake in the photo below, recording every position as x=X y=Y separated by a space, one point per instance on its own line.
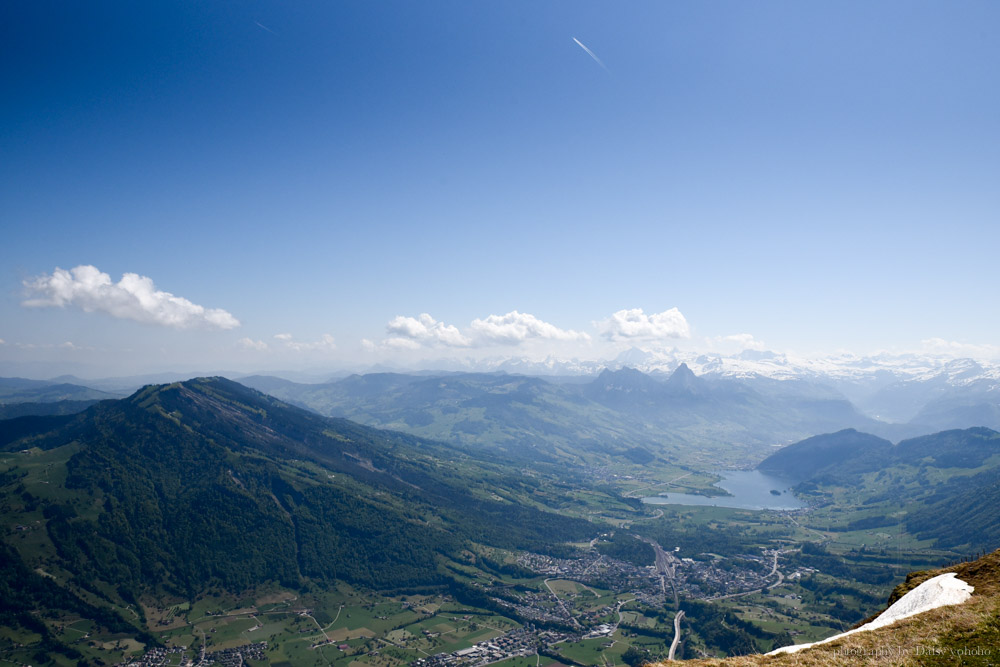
x=750 y=489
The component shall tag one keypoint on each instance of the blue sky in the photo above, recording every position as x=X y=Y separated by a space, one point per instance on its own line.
x=820 y=176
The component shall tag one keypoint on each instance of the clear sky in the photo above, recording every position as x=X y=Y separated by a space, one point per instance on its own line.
x=323 y=184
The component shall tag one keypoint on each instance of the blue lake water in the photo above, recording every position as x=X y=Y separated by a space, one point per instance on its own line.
x=750 y=489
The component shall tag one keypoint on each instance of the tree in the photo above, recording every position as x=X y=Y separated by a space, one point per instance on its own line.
x=636 y=656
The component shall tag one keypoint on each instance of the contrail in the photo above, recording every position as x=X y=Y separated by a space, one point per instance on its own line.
x=591 y=54
x=274 y=33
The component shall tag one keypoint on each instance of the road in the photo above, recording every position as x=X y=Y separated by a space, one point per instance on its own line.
x=335 y=617
x=204 y=646
x=326 y=636
x=618 y=610
x=677 y=635
x=635 y=492
x=824 y=538
x=774 y=571
x=563 y=605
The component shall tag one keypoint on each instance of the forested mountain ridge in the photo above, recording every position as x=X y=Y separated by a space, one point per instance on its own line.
x=947 y=484
x=616 y=411
x=208 y=484
x=849 y=453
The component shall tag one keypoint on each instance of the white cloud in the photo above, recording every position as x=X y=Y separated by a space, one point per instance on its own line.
x=368 y=345
x=398 y=343
x=2 y=341
x=67 y=345
x=957 y=349
x=633 y=324
x=134 y=297
x=424 y=330
x=514 y=328
x=325 y=343
x=251 y=344
x=742 y=341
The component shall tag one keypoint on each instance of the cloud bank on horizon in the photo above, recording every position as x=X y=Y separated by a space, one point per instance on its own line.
x=134 y=297
x=516 y=328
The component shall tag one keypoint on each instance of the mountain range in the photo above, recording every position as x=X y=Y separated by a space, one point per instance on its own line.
x=184 y=488
x=679 y=417
x=913 y=393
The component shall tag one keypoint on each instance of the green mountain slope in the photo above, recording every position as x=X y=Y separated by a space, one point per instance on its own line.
x=845 y=452
x=524 y=417
x=676 y=417
x=947 y=485
x=207 y=484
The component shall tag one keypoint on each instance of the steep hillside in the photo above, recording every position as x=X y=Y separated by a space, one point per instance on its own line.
x=965 y=634
x=947 y=484
x=208 y=485
x=843 y=452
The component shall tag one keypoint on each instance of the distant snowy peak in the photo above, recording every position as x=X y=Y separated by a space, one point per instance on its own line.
x=840 y=369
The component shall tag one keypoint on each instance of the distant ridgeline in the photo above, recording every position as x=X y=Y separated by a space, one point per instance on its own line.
x=623 y=412
x=206 y=483
x=20 y=397
x=209 y=486
x=949 y=481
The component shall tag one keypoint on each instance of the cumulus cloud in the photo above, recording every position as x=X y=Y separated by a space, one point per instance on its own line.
x=251 y=344
x=514 y=328
x=424 y=330
x=633 y=324
x=134 y=297
x=283 y=336
x=742 y=341
x=398 y=343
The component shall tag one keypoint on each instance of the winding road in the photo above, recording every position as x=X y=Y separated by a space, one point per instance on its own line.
x=562 y=604
x=677 y=635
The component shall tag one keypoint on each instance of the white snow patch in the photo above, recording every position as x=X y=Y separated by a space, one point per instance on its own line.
x=941 y=591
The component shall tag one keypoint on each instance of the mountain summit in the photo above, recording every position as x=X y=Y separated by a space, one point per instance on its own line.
x=683 y=381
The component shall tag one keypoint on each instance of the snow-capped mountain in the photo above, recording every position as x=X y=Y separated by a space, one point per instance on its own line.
x=928 y=389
